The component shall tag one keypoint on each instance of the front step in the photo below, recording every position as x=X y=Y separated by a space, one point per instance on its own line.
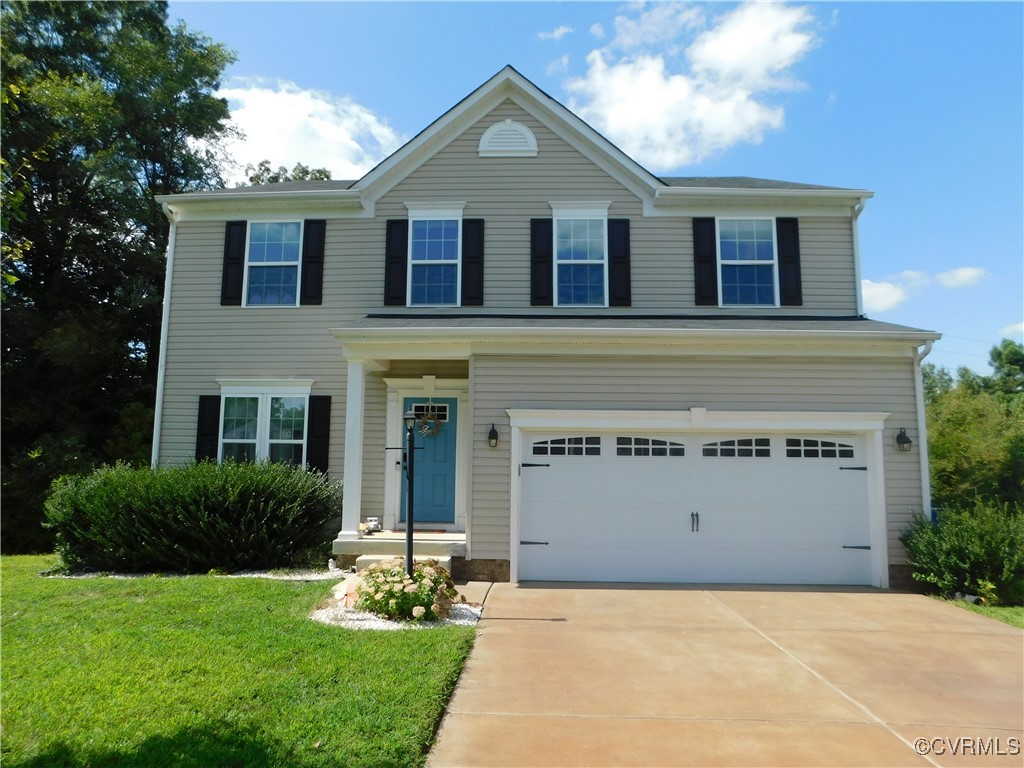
x=365 y=561
x=394 y=543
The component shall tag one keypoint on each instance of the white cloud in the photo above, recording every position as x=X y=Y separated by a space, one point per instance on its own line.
x=753 y=46
x=556 y=34
x=662 y=23
x=961 y=277
x=287 y=124
x=638 y=93
x=597 y=30
x=559 y=65
x=912 y=279
x=892 y=291
x=1013 y=330
x=882 y=296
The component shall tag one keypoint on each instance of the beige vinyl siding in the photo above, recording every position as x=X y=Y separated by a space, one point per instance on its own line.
x=826 y=265
x=501 y=382
x=206 y=341
x=508 y=192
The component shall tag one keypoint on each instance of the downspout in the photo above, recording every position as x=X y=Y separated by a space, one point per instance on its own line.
x=922 y=428
x=855 y=213
x=158 y=409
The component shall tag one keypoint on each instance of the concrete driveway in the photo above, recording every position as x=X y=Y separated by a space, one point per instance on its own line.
x=634 y=675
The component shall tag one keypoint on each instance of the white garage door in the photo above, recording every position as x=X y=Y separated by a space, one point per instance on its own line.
x=767 y=509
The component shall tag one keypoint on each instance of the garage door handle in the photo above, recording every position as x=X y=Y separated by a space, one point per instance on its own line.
x=856 y=546
x=534 y=542
x=695 y=522
x=859 y=469
x=534 y=465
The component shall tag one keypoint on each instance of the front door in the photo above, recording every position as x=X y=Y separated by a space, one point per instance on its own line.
x=435 y=461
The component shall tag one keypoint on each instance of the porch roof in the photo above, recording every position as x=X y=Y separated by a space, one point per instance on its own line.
x=381 y=337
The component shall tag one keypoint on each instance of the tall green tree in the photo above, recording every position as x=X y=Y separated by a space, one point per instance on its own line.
x=976 y=431
x=105 y=105
x=265 y=174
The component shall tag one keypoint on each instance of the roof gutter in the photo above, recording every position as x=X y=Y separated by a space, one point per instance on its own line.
x=922 y=426
x=855 y=212
x=667 y=196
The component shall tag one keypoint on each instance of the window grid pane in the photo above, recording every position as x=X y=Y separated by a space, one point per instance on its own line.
x=581 y=259
x=272 y=285
x=748 y=284
x=747 y=447
x=434 y=252
x=581 y=284
x=274 y=241
x=434 y=284
x=240 y=418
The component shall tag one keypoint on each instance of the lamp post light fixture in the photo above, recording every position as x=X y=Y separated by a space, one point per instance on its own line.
x=492 y=437
x=903 y=442
x=410 y=465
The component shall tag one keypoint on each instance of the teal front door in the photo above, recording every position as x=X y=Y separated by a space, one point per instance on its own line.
x=435 y=463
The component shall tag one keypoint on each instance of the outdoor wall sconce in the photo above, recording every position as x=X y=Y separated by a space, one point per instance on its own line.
x=492 y=437
x=902 y=441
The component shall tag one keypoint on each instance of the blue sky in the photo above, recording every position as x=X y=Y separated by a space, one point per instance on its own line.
x=922 y=103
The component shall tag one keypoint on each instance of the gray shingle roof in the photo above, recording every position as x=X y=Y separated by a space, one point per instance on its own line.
x=738 y=182
x=483 y=322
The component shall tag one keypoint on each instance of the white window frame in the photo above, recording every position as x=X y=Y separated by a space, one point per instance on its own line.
x=263 y=264
x=421 y=212
x=264 y=391
x=774 y=264
x=577 y=212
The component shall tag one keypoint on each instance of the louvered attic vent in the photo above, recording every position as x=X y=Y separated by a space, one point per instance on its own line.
x=508 y=139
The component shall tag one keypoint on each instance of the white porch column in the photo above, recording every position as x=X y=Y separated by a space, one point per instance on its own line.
x=353 y=480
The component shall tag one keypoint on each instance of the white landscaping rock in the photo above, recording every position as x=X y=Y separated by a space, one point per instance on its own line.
x=336 y=614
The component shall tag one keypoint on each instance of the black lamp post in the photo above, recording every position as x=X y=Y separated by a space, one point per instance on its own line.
x=410 y=431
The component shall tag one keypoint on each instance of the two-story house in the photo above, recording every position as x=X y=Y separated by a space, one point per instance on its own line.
x=618 y=377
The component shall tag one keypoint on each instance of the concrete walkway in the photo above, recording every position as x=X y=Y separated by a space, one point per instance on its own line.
x=628 y=675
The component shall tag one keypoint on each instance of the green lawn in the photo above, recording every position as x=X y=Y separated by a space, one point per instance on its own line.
x=206 y=671
x=1008 y=614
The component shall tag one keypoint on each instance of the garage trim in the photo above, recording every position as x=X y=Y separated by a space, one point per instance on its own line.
x=867 y=424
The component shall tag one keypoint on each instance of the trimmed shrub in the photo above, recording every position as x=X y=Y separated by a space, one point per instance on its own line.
x=388 y=591
x=190 y=519
x=977 y=550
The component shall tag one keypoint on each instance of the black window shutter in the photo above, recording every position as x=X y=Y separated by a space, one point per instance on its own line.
x=619 y=291
x=705 y=262
x=234 y=264
x=208 y=427
x=396 y=254
x=314 y=232
x=787 y=233
x=472 y=262
x=541 y=262
x=318 y=439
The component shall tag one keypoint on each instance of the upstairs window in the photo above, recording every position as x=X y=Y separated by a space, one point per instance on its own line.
x=581 y=262
x=272 y=263
x=746 y=262
x=746 y=252
x=434 y=249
